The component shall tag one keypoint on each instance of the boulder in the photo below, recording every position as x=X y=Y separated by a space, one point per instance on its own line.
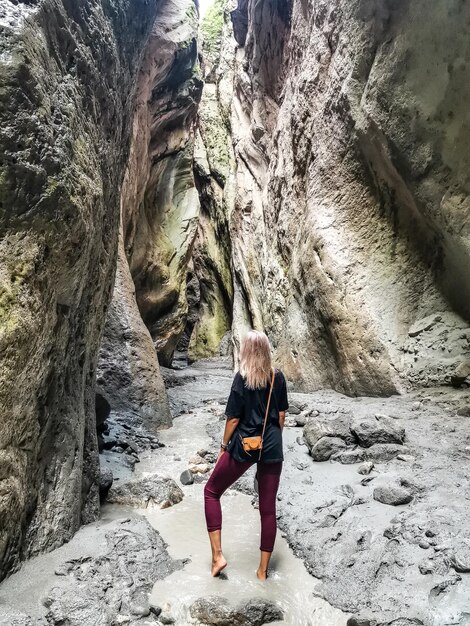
x=152 y=490
x=460 y=374
x=198 y=465
x=106 y=481
x=392 y=494
x=336 y=426
x=325 y=447
x=377 y=429
x=217 y=611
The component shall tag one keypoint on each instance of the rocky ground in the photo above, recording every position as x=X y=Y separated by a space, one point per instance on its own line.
x=373 y=499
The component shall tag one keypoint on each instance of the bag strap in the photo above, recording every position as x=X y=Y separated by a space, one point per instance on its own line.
x=267 y=409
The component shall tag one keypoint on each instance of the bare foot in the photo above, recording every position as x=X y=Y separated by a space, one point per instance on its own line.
x=261 y=574
x=218 y=564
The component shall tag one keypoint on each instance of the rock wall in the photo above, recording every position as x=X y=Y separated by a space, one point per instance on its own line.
x=160 y=204
x=209 y=333
x=68 y=72
x=350 y=229
x=128 y=374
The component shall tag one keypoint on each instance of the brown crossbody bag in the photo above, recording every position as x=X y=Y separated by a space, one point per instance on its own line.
x=251 y=444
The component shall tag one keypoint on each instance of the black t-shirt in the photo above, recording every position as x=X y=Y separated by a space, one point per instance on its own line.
x=249 y=406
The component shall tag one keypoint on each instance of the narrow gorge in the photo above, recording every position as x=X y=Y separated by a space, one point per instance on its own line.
x=172 y=174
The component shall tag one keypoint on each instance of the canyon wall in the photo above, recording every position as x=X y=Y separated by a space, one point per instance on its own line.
x=160 y=205
x=160 y=210
x=208 y=331
x=350 y=229
x=68 y=73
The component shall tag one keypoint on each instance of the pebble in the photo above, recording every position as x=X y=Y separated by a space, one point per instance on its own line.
x=426 y=567
x=408 y=458
x=186 y=478
x=365 y=468
x=423 y=544
x=155 y=609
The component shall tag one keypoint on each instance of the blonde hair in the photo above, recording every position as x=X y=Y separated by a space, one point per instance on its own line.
x=255 y=360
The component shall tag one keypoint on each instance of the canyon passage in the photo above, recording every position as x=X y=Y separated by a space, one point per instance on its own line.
x=172 y=174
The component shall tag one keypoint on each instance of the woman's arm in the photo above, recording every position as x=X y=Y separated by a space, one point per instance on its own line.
x=230 y=424
x=282 y=417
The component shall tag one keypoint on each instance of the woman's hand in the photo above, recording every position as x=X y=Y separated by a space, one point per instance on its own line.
x=222 y=451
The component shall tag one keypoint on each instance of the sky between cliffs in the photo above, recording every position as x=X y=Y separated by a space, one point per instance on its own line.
x=204 y=5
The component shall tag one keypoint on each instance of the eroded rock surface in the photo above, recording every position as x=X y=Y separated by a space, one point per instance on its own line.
x=350 y=225
x=218 y=612
x=153 y=490
x=114 y=587
x=67 y=84
x=384 y=563
x=382 y=538
x=128 y=372
x=160 y=204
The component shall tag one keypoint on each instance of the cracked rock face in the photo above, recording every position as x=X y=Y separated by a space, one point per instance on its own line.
x=350 y=228
x=65 y=112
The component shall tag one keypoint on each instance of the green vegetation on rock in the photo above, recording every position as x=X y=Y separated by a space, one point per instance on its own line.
x=211 y=28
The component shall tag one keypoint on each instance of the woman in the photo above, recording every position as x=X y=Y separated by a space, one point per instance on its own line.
x=255 y=387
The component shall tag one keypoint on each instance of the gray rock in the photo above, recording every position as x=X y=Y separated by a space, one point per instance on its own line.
x=128 y=372
x=155 y=609
x=66 y=126
x=373 y=430
x=325 y=447
x=378 y=453
x=336 y=426
x=460 y=557
x=365 y=468
x=152 y=490
x=460 y=374
x=217 y=611
x=187 y=477
x=106 y=481
x=115 y=584
x=361 y=621
x=392 y=494
x=348 y=457
x=301 y=420
x=294 y=409
x=424 y=324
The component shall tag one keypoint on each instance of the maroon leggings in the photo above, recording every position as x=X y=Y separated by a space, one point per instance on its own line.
x=225 y=473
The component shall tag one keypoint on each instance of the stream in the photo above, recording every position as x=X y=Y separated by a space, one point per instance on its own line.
x=197 y=394
x=182 y=526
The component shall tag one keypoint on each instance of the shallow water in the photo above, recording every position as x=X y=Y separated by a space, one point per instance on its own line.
x=183 y=528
